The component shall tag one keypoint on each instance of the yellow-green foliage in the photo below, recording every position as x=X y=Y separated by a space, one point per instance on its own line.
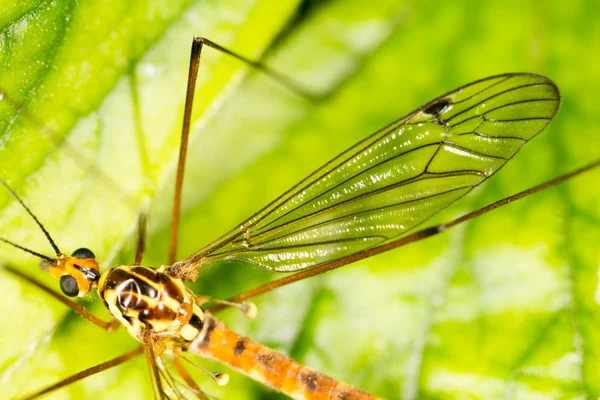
x=505 y=307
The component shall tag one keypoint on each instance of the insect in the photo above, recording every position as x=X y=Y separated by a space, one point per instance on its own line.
x=369 y=199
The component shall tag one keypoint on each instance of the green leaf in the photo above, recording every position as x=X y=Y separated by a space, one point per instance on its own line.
x=505 y=307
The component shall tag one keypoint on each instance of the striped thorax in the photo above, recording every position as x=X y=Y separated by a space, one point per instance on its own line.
x=148 y=301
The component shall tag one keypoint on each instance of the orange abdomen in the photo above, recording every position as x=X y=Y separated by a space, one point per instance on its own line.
x=267 y=366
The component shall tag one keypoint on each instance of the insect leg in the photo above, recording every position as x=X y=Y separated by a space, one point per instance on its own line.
x=88 y=372
x=197 y=44
x=141 y=242
x=185 y=132
x=249 y=309
x=157 y=388
x=281 y=78
x=414 y=237
x=108 y=326
x=169 y=379
x=188 y=379
x=220 y=378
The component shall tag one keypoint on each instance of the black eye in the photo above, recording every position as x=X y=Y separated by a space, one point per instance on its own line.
x=83 y=253
x=68 y=285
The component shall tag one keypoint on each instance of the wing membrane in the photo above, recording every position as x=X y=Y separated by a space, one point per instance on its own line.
x=395 y=179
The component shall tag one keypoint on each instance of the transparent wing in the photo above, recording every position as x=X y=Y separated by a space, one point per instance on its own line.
x=394 y=180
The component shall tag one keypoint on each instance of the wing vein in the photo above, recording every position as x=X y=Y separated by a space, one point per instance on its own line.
x=349 y=179
x=384 y=186
x=420 y=177
x=494 y=96
x=353 y=215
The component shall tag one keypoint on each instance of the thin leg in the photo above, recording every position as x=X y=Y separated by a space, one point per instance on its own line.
x=169 y=380
x=197 y=44
x=157 y=389
x=249 y=309
x=188 y=379
x=282 y=79
x=106 y=325
x=220 y=378
x=141 y=243
x=185 y=133
x=419 y=235
x=88 y=372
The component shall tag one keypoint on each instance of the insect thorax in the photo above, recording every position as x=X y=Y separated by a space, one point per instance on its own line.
x=148 y=301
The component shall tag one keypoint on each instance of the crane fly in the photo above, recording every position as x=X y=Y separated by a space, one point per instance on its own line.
x=371 y=198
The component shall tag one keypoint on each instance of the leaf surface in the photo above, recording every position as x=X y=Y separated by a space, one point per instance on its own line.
x=505 y=307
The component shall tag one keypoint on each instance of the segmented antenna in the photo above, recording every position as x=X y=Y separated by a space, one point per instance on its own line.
x=25 y=249
x=54 y=246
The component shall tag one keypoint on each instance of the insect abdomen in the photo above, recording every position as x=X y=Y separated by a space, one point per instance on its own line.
x=267 y=366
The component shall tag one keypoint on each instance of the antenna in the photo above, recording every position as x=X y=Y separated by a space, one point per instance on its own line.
x=50 y=240
x=35 y=253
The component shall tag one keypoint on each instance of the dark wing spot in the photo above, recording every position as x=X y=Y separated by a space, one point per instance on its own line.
x=437 y=107
x=240 y=346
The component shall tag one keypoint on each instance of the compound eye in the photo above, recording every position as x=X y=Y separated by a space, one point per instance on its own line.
x=83 y=253
x=69 y=286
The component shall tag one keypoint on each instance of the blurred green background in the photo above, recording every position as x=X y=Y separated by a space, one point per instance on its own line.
x=505 y=307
